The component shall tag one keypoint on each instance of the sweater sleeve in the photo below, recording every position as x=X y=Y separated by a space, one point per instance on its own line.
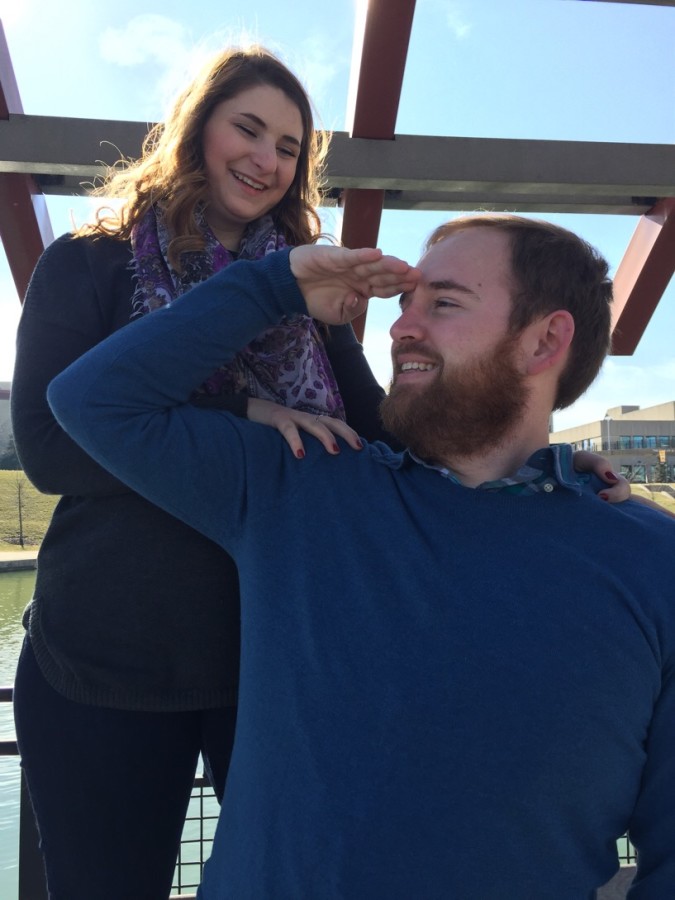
x=126 y=401
x=63 y=316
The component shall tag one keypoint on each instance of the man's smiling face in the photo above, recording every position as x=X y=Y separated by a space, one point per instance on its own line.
x=459 y=311
x=457 y=383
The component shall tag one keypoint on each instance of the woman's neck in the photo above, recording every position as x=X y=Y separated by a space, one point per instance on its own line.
x=229 y=236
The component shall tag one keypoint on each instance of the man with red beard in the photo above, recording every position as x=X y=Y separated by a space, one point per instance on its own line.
x=457 y=672
x=485 y=347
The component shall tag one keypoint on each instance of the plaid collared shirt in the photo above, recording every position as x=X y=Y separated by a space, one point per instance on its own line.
x=547 y=470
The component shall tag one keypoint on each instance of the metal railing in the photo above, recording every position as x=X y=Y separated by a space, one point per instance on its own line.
x=195 y=845
x=626 y=851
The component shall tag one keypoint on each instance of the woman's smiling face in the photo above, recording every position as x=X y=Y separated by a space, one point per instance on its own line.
x=251 y=145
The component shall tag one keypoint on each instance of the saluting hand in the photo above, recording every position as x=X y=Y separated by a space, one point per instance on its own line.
x=337 y=282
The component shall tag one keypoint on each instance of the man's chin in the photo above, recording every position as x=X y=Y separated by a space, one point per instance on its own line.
x=410 y=385
x=398 y=408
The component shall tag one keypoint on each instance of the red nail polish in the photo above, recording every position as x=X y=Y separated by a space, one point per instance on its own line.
x=300 y=454
x=611 y=476
x=604 y=497
x=336 y=449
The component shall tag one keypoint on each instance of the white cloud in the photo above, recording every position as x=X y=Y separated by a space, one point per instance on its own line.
x=144 y=38
x=316 y=64
x=456 y=19
x=11 y=12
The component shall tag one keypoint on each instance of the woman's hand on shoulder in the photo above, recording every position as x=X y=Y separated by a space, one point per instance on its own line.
x=618 y=488
x=290 y=422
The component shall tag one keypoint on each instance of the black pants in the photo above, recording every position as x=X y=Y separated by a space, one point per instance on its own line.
x=110 y=788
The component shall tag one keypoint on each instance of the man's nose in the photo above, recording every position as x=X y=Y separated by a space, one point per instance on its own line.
x=408 y=326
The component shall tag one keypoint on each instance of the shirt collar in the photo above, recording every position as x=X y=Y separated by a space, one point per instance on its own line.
x=548 y=469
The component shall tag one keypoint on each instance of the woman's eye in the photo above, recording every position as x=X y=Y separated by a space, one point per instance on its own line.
x=246 y=130
x=285 y=151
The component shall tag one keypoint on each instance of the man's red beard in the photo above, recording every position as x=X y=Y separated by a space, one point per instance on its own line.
x=463 y=411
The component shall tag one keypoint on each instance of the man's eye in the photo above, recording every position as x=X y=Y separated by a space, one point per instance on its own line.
x=442 y=302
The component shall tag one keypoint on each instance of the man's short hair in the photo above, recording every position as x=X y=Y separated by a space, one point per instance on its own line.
x=553 y=268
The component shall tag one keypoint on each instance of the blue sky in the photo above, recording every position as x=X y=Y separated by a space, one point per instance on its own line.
x=549 y=69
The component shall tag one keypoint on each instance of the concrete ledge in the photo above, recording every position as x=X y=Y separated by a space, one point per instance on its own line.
x=15 y=561
x=617 y=888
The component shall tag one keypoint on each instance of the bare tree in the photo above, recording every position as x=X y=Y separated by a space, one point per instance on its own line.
x=20 y=482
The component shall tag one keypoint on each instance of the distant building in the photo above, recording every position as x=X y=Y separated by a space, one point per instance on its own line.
x=640 y=442
x=5 y=424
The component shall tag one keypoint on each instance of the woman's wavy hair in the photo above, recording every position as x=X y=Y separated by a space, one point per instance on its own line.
x=553 y=268
x=171 y=170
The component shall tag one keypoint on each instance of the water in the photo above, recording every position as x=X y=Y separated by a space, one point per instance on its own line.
x=16 y=589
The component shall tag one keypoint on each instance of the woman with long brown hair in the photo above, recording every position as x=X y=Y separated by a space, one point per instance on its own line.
x=130 y=665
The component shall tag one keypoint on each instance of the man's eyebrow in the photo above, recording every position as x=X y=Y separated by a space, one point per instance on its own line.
x=262 y=124
x=447 y=284
x=450 y=285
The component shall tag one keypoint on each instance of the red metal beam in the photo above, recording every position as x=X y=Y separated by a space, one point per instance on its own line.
x=360 y=227
x=10 y=101
x=383 y=56
x=642 y=276
x=25 y=228
x=378 y=92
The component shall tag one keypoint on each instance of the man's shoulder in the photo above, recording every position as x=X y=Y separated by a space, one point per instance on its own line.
x=645 y=513
x=647 y=516
x=635 y=530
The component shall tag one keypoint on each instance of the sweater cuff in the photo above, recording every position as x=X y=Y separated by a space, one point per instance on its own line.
x=282 y=282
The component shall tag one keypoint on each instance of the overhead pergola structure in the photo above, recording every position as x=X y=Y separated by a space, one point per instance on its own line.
x=371 y=168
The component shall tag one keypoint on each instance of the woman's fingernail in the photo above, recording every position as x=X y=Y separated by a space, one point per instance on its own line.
x=610 y=476
x=300 y=454
x=604 y=497
x=336 y=449
x=359 y=444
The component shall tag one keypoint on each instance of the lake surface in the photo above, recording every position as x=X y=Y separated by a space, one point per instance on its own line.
x=16 y=589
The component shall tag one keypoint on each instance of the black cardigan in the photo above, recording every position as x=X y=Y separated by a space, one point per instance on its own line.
x=132 y=609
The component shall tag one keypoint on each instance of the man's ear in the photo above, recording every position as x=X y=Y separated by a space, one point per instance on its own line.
x=546 y=341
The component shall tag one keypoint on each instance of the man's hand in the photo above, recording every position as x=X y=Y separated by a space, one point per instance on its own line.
x=337 y=283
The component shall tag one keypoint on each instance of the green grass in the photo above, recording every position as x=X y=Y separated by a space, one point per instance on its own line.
x=663 y=499
x=36 y=511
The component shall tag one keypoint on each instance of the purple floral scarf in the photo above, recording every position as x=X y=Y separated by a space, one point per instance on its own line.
x=286 y=364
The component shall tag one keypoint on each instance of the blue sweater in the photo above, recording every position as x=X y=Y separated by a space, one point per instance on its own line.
x=445 y=693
